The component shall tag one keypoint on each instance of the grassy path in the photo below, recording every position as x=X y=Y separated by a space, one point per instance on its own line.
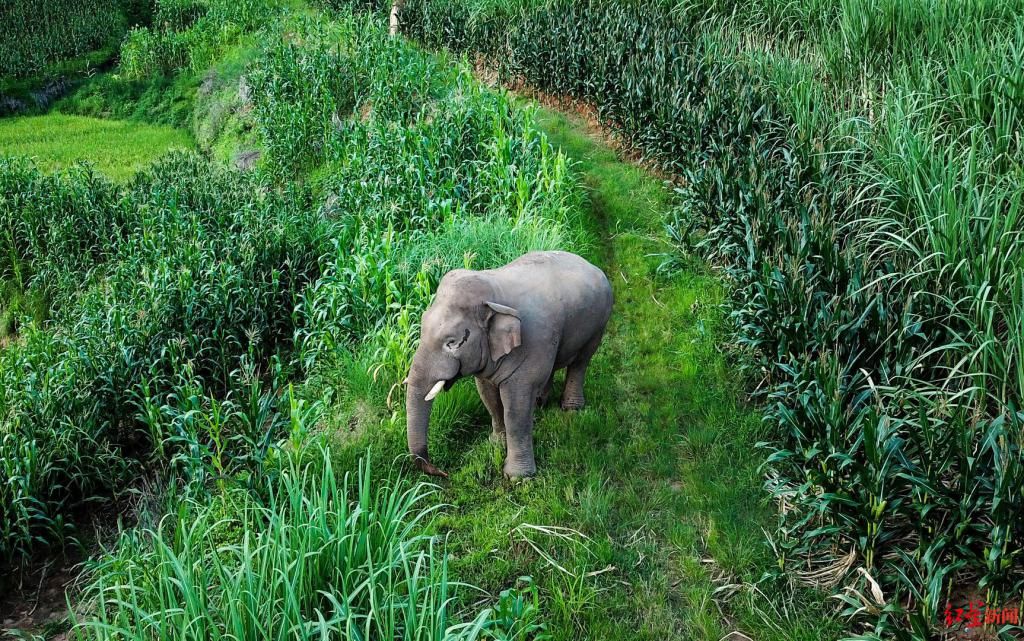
x=649 y=500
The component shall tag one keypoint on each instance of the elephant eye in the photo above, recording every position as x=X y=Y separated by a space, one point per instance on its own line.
x=465 y=337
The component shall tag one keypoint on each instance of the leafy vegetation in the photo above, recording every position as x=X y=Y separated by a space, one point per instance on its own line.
x=237 y=321
x=198 y=292
x=316 y=556
x=36 y=34
x=189 y=34
x=855 y=170
x=205 y=324
x=159 y=100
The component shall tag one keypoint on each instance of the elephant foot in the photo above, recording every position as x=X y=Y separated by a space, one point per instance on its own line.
x=520 y=472
x=570 y=403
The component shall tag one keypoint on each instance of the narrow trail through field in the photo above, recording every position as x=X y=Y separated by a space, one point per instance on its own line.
x=686 y=494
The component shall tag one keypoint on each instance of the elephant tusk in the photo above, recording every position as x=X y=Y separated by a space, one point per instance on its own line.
x=434 y=391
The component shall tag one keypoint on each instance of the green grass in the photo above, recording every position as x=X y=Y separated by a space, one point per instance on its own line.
x=116 y=149
x=160 y=100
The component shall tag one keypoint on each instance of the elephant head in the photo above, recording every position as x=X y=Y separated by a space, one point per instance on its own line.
x=463 y=332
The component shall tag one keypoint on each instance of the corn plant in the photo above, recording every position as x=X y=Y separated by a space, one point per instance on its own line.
x=38 y=34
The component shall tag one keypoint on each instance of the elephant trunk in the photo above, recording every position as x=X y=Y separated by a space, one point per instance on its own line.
x=418 y=401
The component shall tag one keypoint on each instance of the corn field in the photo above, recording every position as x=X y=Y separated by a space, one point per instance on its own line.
x=35 y=34
x=178 y=308
x=855 y=169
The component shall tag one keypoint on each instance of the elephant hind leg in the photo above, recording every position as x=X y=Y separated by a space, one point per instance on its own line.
x=575 y=373
x=545 y=392
x=491 y=397
x=572 y=396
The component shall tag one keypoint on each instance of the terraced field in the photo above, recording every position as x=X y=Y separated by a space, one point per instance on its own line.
x=205 y=327
x=116 y=149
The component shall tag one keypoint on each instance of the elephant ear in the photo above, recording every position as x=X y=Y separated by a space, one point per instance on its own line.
x=504 y=330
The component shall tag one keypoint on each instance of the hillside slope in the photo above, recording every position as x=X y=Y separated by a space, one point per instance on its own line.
x=646 y=520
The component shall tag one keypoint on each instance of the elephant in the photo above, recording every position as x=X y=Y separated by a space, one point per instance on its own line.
x=511 y=328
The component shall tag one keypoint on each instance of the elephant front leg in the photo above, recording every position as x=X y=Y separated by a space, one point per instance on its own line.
x=518 y=402
x=492 y=401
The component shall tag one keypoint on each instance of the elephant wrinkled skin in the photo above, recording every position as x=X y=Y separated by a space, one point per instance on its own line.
x=511 y=328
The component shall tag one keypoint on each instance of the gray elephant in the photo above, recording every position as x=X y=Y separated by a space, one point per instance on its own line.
x=511 y=328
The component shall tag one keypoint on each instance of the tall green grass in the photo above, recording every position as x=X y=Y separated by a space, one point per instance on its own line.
x=188 y=35
x=308 y=555
x=855 y=169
